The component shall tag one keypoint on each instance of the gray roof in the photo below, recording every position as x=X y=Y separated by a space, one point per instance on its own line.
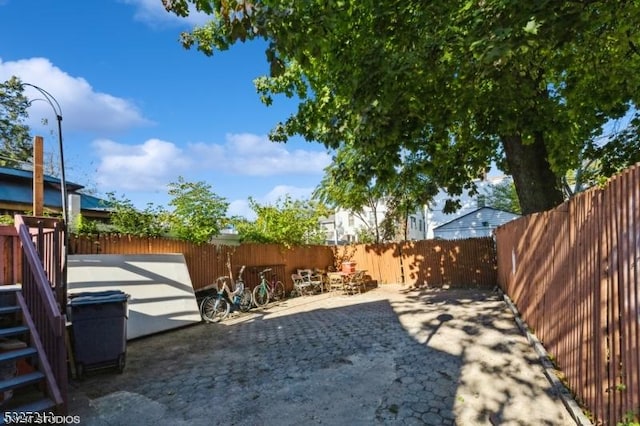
x=492 y=212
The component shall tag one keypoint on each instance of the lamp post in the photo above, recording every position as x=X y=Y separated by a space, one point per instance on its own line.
x=48 y=98
x=61 y=286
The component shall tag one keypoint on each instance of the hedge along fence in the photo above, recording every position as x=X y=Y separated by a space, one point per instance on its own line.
x=434 y=263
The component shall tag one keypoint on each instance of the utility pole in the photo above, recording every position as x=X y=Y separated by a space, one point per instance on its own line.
x=38 y=176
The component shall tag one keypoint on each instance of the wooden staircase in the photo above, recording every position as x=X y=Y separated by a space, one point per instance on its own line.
x=27 y=384
x=33 y=319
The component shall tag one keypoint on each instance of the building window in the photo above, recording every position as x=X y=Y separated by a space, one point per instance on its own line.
x=413 y=222
x=351 y=220
x=420 y=225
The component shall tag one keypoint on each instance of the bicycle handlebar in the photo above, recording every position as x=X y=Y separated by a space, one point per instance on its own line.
x=265 y=271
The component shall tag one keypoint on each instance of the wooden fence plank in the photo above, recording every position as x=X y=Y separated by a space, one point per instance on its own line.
x=576 y=283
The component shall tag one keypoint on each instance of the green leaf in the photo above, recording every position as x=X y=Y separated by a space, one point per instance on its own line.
x=532 y=26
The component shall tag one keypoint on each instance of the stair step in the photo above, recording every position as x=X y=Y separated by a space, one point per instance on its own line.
x=29 y=409
x=12 y=331
x=10 y=288
x=9 y=309
x=21 y=380
x=17 y=354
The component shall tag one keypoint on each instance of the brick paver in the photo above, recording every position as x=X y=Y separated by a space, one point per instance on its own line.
x=388 y=356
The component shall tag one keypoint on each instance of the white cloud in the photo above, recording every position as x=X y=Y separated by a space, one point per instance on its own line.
x=253 y=155
x=153 y=13
x=154 y=163
x=241 y=208
x=82 y=107
x=146 y=167
x=278 y=193
x=281 y=191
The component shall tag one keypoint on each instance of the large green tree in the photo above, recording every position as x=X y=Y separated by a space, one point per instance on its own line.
x=502 y=196
x=198 y=213
x=347 y=184
x=125 y=218
x=287 y=221
x=459 y=83
x=408 y=192
x=15 y=141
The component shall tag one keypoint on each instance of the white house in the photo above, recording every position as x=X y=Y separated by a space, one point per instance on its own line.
x=477 y=223
x=343 y=227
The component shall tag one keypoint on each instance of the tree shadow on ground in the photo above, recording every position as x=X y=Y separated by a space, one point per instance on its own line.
x=347 y=360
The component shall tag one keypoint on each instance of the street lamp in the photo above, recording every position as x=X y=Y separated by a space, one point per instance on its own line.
x=48 y=98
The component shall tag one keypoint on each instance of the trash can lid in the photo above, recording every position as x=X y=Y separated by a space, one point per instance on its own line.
x=99 y=297
x=95 y=293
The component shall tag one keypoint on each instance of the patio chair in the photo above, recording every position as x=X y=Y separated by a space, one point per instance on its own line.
x=336 y=281
x=300 y=285
x=359 y=281
x=354 y=283
x=321 y=275
x=312 y=278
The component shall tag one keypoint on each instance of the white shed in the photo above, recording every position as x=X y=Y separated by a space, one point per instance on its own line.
x=478 y=223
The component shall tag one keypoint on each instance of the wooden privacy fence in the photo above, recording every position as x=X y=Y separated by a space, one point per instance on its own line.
x=206 y=262
x=436 y=263
x=429 y=262
x=573 y=274
x=432 y=263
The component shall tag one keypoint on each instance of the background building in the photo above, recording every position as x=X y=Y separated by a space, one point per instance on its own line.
x=16 y=196
x=474 y=218
x=436 y=217
x=345 y=227
x=477 y=223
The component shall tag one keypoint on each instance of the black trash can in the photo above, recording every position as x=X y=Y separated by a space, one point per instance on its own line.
x=99 y=329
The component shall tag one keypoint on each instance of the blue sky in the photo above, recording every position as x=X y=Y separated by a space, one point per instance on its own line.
x=139 y=110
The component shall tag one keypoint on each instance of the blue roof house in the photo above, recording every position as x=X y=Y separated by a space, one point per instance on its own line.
x=16 y=195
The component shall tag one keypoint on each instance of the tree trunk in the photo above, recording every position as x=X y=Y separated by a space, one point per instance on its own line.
x=537 y=186
x=406 y=224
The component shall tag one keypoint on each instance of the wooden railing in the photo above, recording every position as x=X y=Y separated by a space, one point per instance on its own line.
x=43 y=268
x=10 y=259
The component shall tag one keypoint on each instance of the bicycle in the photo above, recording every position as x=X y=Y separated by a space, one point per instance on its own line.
x=267 y=290
x=218 y=306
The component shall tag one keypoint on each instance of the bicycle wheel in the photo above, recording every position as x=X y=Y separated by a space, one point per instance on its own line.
x=246 y=300
x=279 y=292
x=260 y=295
x=214 y=309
